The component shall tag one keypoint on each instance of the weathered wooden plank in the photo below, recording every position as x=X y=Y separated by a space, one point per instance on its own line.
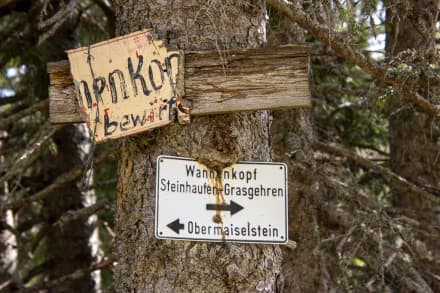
x=216 y=82
x=247 y=80
x=63 y=106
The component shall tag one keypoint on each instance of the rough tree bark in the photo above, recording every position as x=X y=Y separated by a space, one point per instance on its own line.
x=414 y=135
x=146 y=264
x=292 y=136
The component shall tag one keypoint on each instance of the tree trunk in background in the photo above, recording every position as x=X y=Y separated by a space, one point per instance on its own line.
x=291 y=139
x=8 y=255
x=8 y=241
x=414 y=136
x=146 y=264
x=292 y=136
x=74 y=245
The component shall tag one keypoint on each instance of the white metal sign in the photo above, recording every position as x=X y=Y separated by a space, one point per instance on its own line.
x=246 y=202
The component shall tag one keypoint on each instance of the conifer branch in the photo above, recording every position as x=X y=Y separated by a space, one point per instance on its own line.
x=78 y=274
x=386 y=174
x=6 y=122
x=353 y=56
x=67 y=177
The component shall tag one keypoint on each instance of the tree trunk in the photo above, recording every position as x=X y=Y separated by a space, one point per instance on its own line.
x=73 y=245
x=8 y=255
x=146 y=264
x=291 y=138
x=414 y=135
x=8 y=241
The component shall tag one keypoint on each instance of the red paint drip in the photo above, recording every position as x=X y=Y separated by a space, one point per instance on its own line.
x=94 y=105
x=106 y=112
x=137 y=54
x=106 y=86
x=110 y=61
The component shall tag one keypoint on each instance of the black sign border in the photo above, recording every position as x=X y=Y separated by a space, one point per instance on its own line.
x=220 y=240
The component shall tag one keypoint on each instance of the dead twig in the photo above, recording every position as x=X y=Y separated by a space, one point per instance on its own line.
x=81 y=213
x=70 y=277
x=6 y=122
x=73 y=174
x=28 y=155
x=386 y=174
x=353 y=56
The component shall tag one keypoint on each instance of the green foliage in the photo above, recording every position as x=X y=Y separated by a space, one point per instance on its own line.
x=349 y=107
x=93 y=28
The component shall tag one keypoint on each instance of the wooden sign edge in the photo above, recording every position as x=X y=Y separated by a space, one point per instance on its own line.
x=60 y=82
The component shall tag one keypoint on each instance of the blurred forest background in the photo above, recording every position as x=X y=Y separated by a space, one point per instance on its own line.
x=371 y=154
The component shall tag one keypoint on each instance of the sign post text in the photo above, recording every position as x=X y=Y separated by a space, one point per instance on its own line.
x=246 y=202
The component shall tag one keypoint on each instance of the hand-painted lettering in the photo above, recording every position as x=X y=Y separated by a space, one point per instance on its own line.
x=98 y=89
x=109 y=127
x=86 y=93
x=151 y=75
x=111 y=80
x=132 y=78
x=136 y=75
x=169 y=69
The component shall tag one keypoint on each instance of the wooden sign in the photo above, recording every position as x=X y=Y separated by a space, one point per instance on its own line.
x=215 y=82
x=125 y=85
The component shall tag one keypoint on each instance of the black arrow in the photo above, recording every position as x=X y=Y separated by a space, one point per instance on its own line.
x=176 y=226
x=233 y=207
